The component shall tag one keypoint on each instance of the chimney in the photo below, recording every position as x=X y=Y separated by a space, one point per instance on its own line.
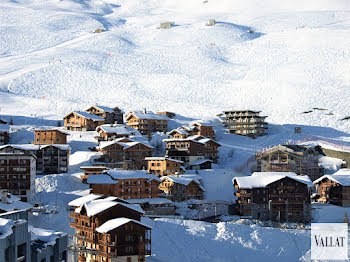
x=4 y=196
x=144 y=111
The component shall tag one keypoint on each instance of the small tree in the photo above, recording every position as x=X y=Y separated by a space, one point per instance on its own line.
x=11 y=121
x=59 y=123
x=346 y=218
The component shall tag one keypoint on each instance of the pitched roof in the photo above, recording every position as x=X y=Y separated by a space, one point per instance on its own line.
x=342 y=177
x=194 y=138
x=33 y=147
x=86 y=115
x=97 y=206
x=117 y=222
x=14 y=203
x=182 y=180
x=178 y=130
x=105 y=108
x=84 y=199
x=125 y=145
x=112 y=176
x=263 y=179
x=148 y=115
x=199 y=162
x=115 y=129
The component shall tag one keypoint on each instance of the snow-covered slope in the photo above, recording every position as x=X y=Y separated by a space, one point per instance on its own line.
x=297 y=58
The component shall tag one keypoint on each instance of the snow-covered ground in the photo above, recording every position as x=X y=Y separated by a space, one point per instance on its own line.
x=297 y=59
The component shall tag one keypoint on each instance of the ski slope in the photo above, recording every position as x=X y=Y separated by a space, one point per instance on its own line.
x=297 y=58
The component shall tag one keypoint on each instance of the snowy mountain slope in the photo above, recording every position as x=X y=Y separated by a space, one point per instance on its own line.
x=296 y=60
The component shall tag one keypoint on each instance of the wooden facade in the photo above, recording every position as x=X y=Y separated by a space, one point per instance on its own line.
x=290 y=158
x=180 y=188
x=146 y=123
x=50 y=159
x=245 y=122
x=162 y=166
x=192 y=148
x=52 y=136
x=283 y=199
x=112 y=132
x=125 y=184
x=18 y=174
x=82 y=121
x=334 y=189
x=204 y=130
x=129 y=155
x=127 y=241
x=110 y=115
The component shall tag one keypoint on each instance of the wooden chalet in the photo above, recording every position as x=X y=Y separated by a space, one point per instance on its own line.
x=163 y=166
x=147 y=122
x=110 y=115
x=109 y=229
x=50 y=159
x=276 y=196
x=192 y=148
x=245 y=122
x=125 y=184
x=334 y=189
x=291 y=158
x=82 y=121
x=125 y=152
x=112 y=132
x=50 y=136
x=4 y=133
x=196 y=128
x=181 y=188
x=18 y=174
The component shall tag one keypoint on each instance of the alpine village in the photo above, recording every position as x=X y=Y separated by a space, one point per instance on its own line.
x=130 y=179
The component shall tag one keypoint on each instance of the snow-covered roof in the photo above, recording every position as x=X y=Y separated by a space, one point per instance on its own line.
x=342 y=176
x=163 y=158
x=131 y=174
x=14 y=205
x=101 y=179
x=152 y=201
x=47 y=236
x=104 y=108
x=89 y=116
x=5 y=227
x=33 y=147
x=112 y=176
x=148 y=115
x=199 y=162
x=182 y=180
x=262 y=179
x=343 y=171
x=117 y=222
x=125 y=145
x=194 y=138
x=99 y=205
x=114 y=129
x=179 y=130
x=4 y=127
x=84 y=199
